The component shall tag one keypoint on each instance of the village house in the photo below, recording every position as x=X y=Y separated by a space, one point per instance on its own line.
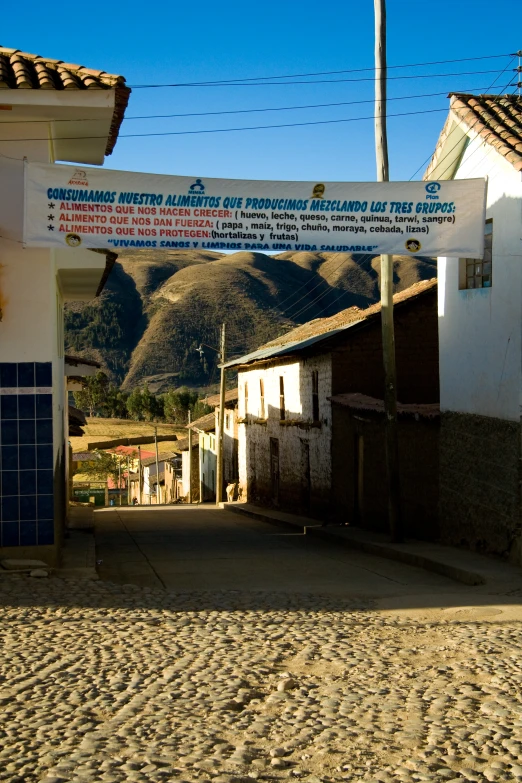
x=230 y=435
x=301 y=424
x=173 y=478
x=45 y=105
x=150 y=478
x=205 y=427
x=188 y=465
x=480 y=333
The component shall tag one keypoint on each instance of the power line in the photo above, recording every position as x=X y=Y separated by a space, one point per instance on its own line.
x=247 y=111
x=455 y=146
x=231 y=130
x=326 y=73
x=487 y=89
x=308 y=81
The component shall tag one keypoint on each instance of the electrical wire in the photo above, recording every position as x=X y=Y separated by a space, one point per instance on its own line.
x=487 y=90
x=247 y=111
x=233 y=130
x=441 y=176
x=314 y=301
x=310 y=81
x=331 y=73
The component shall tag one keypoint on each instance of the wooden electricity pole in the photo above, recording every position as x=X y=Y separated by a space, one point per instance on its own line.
x=128 y=482
x=190 y=458
x=219 y=481
x=140 y=483
x=388 y=336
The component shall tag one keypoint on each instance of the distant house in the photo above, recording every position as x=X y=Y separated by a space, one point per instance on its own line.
x=150 y=478
x=480 y=332
x=297 y=432
x=173 y=478
x=183 y=446
x=230 y=435
x=205 y=427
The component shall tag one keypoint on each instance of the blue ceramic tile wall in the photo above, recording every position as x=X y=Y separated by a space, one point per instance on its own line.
x=26 y=454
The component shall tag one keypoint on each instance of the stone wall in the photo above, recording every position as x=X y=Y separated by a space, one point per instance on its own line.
x=480 y=484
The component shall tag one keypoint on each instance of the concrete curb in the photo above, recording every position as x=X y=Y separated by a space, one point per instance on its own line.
x=394 y=552
x=403 y=553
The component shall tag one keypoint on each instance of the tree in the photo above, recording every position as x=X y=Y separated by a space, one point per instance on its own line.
x=94 y=393
x=177 y=404
x=116 y=403
x=148 y=402
x=104 y=464
x=135 y=405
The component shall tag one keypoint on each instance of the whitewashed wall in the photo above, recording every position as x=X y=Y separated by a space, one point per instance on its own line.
x=254 y=439
x=480 y=329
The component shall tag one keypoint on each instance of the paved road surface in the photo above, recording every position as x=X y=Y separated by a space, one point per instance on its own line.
x=204 y=548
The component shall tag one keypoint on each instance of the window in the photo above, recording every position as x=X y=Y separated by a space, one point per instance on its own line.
x=262 y=399
x=227 y=421
x=474 y=273
x=315 y=395
x=246 y=398
x=281 y=398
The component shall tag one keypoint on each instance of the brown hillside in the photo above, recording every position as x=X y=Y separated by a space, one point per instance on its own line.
x=159 y=307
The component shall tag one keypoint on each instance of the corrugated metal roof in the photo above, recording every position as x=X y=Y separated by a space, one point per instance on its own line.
x=205 y=423
x=364 y=402
x=321 y=329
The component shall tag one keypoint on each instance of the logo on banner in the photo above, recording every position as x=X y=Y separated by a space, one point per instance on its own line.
x=413 y=245
x=79 y=178
x=432 y=188
x=73 y=240
x=318 y=191
x=197 y=188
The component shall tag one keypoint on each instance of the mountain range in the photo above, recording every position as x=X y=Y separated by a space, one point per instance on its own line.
x=157 y=309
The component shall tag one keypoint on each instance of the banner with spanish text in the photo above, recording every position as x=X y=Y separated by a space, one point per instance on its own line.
x=99 y=208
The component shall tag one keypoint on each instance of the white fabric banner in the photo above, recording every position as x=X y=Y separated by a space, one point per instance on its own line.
x=100 y=208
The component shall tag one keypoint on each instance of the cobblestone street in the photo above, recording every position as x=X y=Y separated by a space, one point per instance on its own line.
x=107 y=682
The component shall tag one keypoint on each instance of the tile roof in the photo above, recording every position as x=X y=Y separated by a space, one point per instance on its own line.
x=496 y=118
x=24 y=71
x=205 y=423
x=232 y=395
x=161 y=458
x=362 y=402
x=321 y=329
x=74 y=361
x=183 y=445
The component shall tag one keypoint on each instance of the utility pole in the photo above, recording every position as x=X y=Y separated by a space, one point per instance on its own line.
x=128 y=482
x=219 y=481
x=140 y=485
x=388 y=336
x=190 y=458
x=119 y=478
x=158 y=490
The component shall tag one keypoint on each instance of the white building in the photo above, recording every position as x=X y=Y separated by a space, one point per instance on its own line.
x=50 y=111
x=205 y=427
x=480 y=332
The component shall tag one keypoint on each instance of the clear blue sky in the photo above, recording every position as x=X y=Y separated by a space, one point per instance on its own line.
x=160 y=42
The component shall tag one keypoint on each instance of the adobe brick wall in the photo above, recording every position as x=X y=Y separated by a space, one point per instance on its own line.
x=357 y=365
x=480 y=484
